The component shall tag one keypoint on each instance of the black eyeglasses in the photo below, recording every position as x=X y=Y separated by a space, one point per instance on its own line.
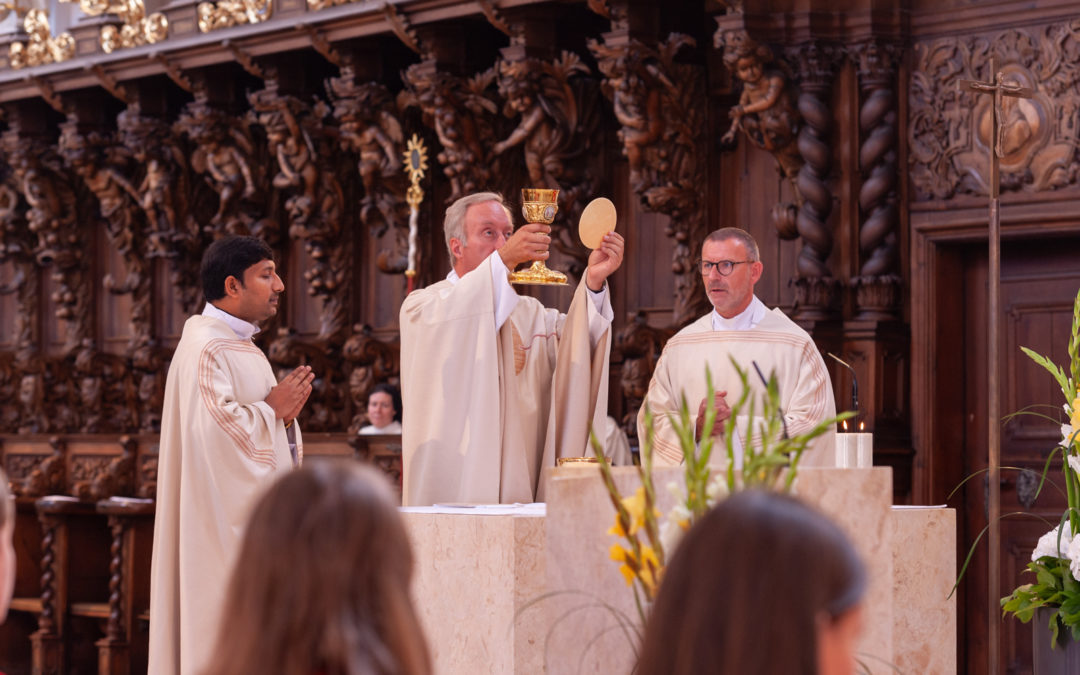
x=724 y=267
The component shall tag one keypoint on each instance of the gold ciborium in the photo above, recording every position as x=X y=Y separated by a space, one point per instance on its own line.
x=539 y=206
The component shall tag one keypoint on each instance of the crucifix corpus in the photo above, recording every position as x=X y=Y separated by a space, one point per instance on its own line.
x=1000 y=89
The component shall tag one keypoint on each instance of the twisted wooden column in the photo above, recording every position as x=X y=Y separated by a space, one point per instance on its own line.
x=816 y=291
x=114 y=630
x=878 y=284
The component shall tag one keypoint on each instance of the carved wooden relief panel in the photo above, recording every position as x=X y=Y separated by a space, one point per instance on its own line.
x=949 y=128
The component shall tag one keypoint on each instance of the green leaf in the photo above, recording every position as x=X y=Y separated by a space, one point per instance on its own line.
x=1052 y=368
x=1047 y=577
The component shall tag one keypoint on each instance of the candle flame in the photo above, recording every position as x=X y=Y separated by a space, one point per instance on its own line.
x=844 y=424
x=862 y=426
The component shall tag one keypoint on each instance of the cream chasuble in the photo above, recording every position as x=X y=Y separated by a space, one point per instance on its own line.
x=486 y=410
x=221 y=446
x=778 y=345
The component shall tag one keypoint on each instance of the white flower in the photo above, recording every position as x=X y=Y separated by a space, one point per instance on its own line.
x=1074 y=463
x=717 y=488
x=1074 y=557
x=1066 y=434
x=676 y=490
x=677 y=521
x=1048 y=545
x=671 y=533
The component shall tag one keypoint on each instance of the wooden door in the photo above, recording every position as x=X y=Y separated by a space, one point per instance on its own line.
x=1039 y=281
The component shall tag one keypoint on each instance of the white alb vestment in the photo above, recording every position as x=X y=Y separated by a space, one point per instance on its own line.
x=221 y=447
x=778 y=346
x=495 y=387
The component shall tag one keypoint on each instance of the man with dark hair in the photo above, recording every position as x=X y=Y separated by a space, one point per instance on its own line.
x=742 y=328
x=227 y=432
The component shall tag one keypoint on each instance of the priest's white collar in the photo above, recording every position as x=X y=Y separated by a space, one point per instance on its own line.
x=748 y=319
x=243 y=329
x=453 y=277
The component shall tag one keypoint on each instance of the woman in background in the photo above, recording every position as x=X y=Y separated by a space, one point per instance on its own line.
x=762 y=584
x=321 y=585
x=383 y=410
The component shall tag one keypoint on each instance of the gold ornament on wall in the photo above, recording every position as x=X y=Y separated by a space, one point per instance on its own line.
x=137 y=28
x=227 y=13
x=42 y=47
x=415 y=157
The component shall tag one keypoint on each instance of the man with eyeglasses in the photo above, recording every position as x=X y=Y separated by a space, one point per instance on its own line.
x=742 y=328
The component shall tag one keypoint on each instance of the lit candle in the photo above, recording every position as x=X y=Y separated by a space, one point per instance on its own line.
x=854 y=450
x=846 y=449
x=864 y=448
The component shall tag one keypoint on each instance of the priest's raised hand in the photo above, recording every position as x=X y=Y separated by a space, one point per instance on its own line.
x=603 y=261
x=288 y=397
x=529 y=242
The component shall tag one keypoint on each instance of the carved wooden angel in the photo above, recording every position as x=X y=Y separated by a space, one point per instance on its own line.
x=540 y=93
x=295 y=152
x=224 y=155
x=101 y=172
x=456 y=109
x=51 y=212
x=370 y=127
x=765 y=112
x=636 y=88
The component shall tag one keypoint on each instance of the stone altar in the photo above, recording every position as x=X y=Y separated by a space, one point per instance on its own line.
x=531 y=589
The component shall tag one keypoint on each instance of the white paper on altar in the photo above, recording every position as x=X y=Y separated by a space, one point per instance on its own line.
x=534 y=509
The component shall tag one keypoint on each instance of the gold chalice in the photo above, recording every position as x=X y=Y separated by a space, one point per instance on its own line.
x=539 y=206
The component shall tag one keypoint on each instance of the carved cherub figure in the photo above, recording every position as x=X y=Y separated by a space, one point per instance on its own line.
x=373 y=131
x=32 y=401
x=459 y=111
x=540 y=93
x=228 y=172
x=764 y=113
x=637 y=107
x=535 y=131
x=156 y=200
x=46 y=215
x=152 y=145
x=117 y=198
x=296 y=158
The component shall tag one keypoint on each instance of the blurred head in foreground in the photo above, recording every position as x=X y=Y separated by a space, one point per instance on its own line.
x=321 y=585
x=762 y=584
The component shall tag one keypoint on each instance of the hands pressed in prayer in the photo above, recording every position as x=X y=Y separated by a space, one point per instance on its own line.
x=723 y=412
x=529 y=242
x=290 y=395
x=603 y=261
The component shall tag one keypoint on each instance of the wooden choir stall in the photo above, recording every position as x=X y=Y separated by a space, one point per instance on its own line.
x=133 y=134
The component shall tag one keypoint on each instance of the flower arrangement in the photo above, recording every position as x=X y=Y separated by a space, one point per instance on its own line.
x=1055 y=561
x=646 y=537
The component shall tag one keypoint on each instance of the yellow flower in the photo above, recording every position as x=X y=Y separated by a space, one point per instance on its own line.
x=650 y=570
x=617 y=529
x=1074 y=419
x=635 y=506
x=625 y=556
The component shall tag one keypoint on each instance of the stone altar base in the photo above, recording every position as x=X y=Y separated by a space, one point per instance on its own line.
x=521 y=592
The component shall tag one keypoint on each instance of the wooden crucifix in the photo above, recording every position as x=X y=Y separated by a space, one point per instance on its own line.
x=1000 y=89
